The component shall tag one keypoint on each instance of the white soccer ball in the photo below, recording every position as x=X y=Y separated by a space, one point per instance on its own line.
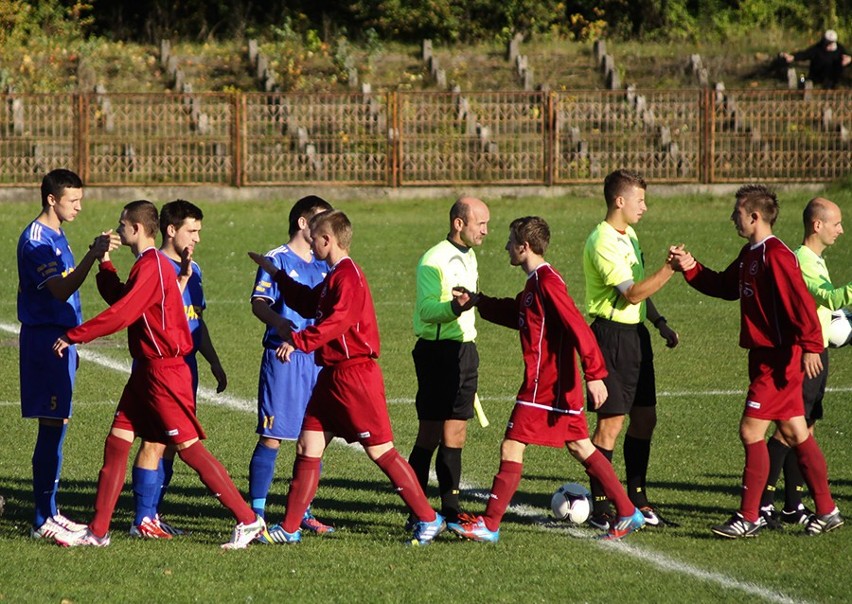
x=571 y=502
x=840 y=328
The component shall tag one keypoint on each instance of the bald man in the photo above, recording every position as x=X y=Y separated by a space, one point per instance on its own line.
x=822 y=222
x=445 y=356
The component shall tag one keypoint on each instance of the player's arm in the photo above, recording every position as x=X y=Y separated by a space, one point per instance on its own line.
x=500 y=311
x=110 y=286
x=636 y=292
x=347 y=297
x=62 y=287
x=796 y=300
x=724 y=285
x=301 y=298
x=823 y=291
x=208 y=351
x=432 y=303
x=659 y=321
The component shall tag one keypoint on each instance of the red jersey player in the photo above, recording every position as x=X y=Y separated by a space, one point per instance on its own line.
x=158 y=401
x=780 y=329
x=549 y=406
x=349 y=397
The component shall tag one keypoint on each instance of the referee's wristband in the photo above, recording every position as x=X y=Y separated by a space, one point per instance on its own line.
x=656 y=322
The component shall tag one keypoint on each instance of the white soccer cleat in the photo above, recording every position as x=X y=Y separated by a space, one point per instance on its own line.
x=82 y=538
x=57 y=527
x=246 y=533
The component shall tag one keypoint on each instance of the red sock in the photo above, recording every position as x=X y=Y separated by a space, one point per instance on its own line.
x=812 y=464
x=405 y=482
x=303 y=487
x=599 y=468
x=215 y=477
x=503 y=487
x=755 y=475
x=110 y=482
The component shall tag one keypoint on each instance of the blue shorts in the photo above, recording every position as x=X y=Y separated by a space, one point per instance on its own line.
x=283 y=392
x=47 y=381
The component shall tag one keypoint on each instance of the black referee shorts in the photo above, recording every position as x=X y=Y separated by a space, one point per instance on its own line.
x=813 y=391
x=629 y=358
x=447 y=379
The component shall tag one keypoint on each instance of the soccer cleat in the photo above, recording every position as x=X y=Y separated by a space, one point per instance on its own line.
x=801 y=515
x=171 y=530
x=149 y=529
x=601 y=521
x=246 y=533
x=83 y=537
x=425 y=532
x=624 y=526
x=737 y=527
x=650 y=515
x=310 y=523
x=410 y=523
x=277 y=534
x=56 y=527
x=818 y=525
x=474 y=529
x=769 y=518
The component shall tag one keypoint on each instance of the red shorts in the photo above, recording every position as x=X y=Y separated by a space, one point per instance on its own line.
x=534 y=425
x=776 y=375
x=158 y=402
x=349 y=401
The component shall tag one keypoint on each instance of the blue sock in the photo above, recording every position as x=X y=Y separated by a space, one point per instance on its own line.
x=146 y=491
x=47 y=464
x=165 y=471
x=261 y=472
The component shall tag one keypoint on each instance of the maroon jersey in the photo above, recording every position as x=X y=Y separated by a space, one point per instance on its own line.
x=346 y=326
x=777 y=310
x=150 y=305
x=552 y=333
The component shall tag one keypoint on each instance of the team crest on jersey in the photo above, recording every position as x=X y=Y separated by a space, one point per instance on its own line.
x=528 y=299
x=753 y=268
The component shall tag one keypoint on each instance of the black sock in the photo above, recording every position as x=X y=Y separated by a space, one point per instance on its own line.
x=637 y=452
x=420 y=460
x=448 y=468
x=794 y=483
x=778 y=452
x=600 y=504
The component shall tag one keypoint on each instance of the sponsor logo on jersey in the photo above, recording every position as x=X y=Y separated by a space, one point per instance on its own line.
x=528 y=299
x=192 y=312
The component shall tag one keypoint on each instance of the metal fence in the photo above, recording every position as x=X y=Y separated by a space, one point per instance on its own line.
x=427 y=138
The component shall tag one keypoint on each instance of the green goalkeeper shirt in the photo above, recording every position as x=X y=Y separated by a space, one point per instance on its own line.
x=442 y=268
x=609 y=259
x=828 y=297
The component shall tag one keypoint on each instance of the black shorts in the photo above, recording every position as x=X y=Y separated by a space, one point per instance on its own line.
x=447 y=379
x=629 y=358
x=813 y=391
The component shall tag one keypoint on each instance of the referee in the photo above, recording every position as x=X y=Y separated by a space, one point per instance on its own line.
x=445 y=356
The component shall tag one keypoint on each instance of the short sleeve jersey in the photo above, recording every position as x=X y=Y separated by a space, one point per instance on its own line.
x=44 y=254
x=310 y=273
x=194 y=302
x=609 y=259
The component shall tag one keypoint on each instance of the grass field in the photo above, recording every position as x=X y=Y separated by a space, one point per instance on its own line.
x=695 y=467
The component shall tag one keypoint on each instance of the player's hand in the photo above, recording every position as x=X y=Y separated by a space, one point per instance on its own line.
x=186 y=263
x=60 y=345
x=846 y=60
x=812 y=364
x=283 y=352
x=786 y=56
x=668 y=334
x=463 y=300
x=221 y=377
x=679 y=259
x=597 y=392
x=264 y=263
x=105 y=243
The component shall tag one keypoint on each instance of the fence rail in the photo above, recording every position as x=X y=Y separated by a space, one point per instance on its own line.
x=427 y=138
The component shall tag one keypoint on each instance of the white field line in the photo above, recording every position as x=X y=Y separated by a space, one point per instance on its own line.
x=644 y=555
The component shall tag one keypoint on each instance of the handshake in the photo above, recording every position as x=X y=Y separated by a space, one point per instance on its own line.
x=463 y=299
x=679 y=259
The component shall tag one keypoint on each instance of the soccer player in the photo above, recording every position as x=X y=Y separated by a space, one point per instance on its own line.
x=780 y=329
x=158 y=403
x=822 y=223
x=349 y=397
x=48 y=305
x=180 y=226
x=445 y=356
x=284 y=388
x=549 y=406
x=618 y=298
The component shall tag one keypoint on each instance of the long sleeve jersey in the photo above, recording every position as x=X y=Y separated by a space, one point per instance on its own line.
x=775 y=306
x=552 y=333
x=342 y=305
x=149 y=305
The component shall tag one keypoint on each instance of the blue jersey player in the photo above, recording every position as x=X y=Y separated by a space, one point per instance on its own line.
x=180 y=226
x=284 y=388
x=48 y=305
